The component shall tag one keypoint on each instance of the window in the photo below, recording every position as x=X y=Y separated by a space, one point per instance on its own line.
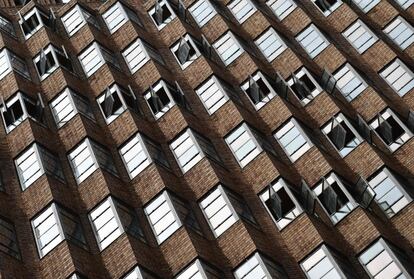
x=334 y=197
x=327 y=6
x=213 y=94
x=110 y=219
x=384 y=260
x=8 y=241
x=114 y=101
x=281 y=8
x=342 y=134
x=391 y=196
x=304 y=86
x=223 y=208
x=270 y=44
x=228 y=48
x=360 y=36
x=117 y=15
x=349 y=82
x=366 y=5
x=190 y=147
x=399 y=77
x=390 y=129
x=33 y=21
x=401 y=32
x=293 y=140
x=324 y=263
x=35 y=161
x=139 y=152
x=281 y=203
x=76 y=18
x=159 y=98
x=258 y=266
x=242 y=9
x=55 y=224
x=20 y=107
x=67 y=104
x=93 y=57
x=138 y=53
x=11 y=62
x=49 y=59
x=138 y=273
x=312 y=40
x=405 y=4
x=89 y=156
x=161 y=14
x=202 y=11
x=198 y=269
x=245 y=144
x=7 y=26
x=76 y=276
x=259 y=90
x=185 y=51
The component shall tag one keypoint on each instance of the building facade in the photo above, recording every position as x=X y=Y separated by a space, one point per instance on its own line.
x=207 y=139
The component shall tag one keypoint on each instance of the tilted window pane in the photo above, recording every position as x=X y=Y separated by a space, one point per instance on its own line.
x=159 y=98
x=162 y=14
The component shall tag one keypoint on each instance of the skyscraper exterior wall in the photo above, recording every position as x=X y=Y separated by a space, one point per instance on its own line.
x=207 y=139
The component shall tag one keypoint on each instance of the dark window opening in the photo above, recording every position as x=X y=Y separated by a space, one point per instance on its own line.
x=161 y=14
x=389 y=130
x=158 y=100
x=325 y=5
x=333 y=198
x=258 y=90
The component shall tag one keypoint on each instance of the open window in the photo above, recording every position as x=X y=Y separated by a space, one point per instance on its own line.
x=342 y=134
x=34 y=20
x=20 y=107
x=11 y=62
x=49 y=59
x=115 y=100
x=259 y=90
x=159 y=98
x=185 y=51
x=392 y=131
x=334 y=197
x=327 y=6
x=281 y=203
x=161 y=14
x=304 y=86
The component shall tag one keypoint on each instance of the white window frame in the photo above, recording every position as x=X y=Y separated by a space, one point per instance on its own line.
x=366 y=30
x=120 y=6
x=8 y=67
x=245 y=17
x=77 y=9
x=264 y=37
x=272 y=93
x=19 y=97
x=195 y=143
x=188 y=38
x=201 y=90
x=367 y=6
x=160 y=84
x=311 y=54
x=250 y=271
x=115 y=89
x=91 y=154
x=151 y=12
x=206 y=19
x=196 y=267
x=407 y=71
x=102 y=61
x=331 y=9
x=399 y=20
x=350 y=70
x=405 y=4
x=144 y=164
x=50 y=49
x=35 y=149
x=36 y=11
x=300 y=73
x=279 y=3
x=224 y=38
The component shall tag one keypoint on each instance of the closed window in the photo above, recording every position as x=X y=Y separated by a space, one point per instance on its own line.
x=138 y=273
x=259 y=90
x=360 y=36
x=49 y=59
x=114 y=101
x=7 y=26
x=110 y=219
x=93 y=57
x=11 y=62
x=213 y=94
x=270 y=44
x=89 y=156
x=401 y=32
x=304 y=86
x=139 y=152
x=67 y=104
x=76 y=18
x=185 y=51
x=20 y=107
x=312 y=40
x=281 y=8
x=36 y=161
x=390 y=193
x=366 y=5
x=342 y=134
x=8 y=241
x=384 y=260
x=242 y=9
x=322 y=264
x=293 y=140
x=327 y=6
x=55 y=224
x=405 y=4
x=138 y=53
x=259 y=266
x=391 y=129
x=190 y=147
x=117 y=15
x=399 y=77
x=228 y=48
x=161 y=14
x=198 y=269
x=159 y=98
x=223 y=208
x=202 y=11
x=334 y=197
x=349 y=82
x=281 y=203
x=35 y=19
